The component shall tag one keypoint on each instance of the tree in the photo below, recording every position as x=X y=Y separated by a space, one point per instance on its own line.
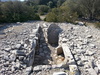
x=50 y=4
x=91 y=8
x=17 y=11
x=40 y=2
x=43 y=9
x=62 y=14
x=60 y=2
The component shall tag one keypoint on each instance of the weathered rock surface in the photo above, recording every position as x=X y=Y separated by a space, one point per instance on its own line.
x=59 y=73
x=53 y=33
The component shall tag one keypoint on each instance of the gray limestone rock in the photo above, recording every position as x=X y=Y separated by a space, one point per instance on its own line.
x=92 y=71
x=6 y=57
x=28 y=70
x=21 y=58
x=60 y=73
x=53 y=33
x=37 y=68
x=23 y=66
x=96 y=69
x=18 y=46
x=18 y=52
x=8 y=49
x=12 y=57
x=12 y=68
x=89 y=36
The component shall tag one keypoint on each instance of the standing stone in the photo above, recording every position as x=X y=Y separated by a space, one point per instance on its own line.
x=53 y=33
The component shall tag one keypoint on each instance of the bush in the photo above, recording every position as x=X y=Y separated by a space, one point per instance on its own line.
x=43 y=9
x=88 y=9
x=62 y=14
x=16 y=11
x=51 y=17
x=97 y=24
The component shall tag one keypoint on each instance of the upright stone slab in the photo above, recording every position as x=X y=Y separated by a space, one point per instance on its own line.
x=53 y=33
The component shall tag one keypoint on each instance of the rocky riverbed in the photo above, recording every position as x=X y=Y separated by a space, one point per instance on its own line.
x=83 y=43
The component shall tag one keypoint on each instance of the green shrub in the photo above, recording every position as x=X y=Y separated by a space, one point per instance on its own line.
x=97 y=24
x=51 y=17
x=16 y=11
x=61 y=14
x=42 y=9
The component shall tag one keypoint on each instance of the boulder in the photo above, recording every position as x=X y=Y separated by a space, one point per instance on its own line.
x=53 y=33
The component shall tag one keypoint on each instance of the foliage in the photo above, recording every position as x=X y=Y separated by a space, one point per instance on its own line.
x=51 y=17
x=42 y=9
x=97 y=24
x=60 y=2
x=88 y=9
x=61 y=14
x=91 y=7
x=16 y=11
x=40 y=2
x=59 y=10
x=50 y=4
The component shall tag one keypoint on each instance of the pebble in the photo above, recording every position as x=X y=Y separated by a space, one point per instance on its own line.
x=28 y=70
x=12 y=57
x=18 y=65
x=18 y=46
x=18 y=52
x=92 y=71
x=80 y=63
x=23 y=66
x=88 y=52
x=89 y=36
x=21 y=58
x=7 y=49
x=37 y=68
x=12 y=68
x=6 y=57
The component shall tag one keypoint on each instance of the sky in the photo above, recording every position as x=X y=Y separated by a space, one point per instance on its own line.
x=21 y=0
